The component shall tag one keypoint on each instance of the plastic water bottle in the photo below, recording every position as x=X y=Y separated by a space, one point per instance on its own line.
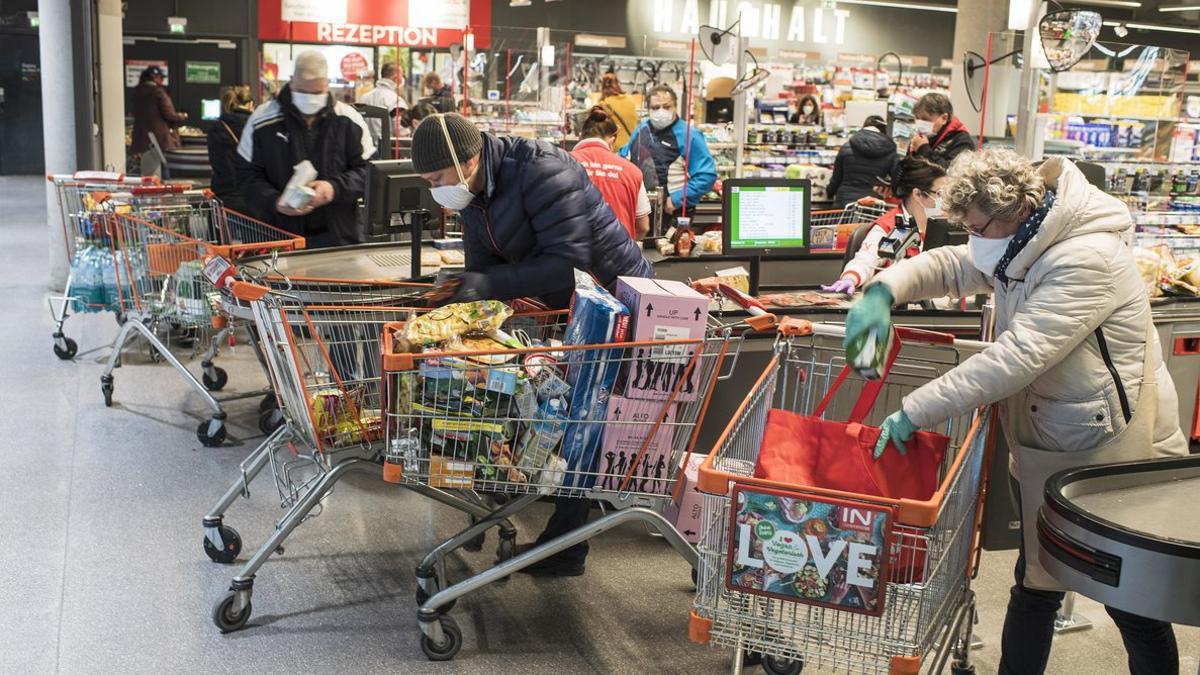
x=541 y=437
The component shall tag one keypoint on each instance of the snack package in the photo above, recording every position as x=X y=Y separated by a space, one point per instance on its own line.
x=596 y=318
x=296 y=194
x=482 y=316
x=867 y=353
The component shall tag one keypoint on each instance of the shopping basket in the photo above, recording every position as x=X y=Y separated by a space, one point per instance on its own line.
x=871 y=621
x=88 y=244
x=162 y=237
x=473 y=419
x=323 y=363
x=831 y=229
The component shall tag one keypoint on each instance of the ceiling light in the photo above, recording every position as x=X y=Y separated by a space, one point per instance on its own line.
x=929 y=7
x=1147 y=26
x=1179 y=8
x=1109 y=3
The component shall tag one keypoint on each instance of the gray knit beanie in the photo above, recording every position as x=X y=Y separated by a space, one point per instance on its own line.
x=429 y=149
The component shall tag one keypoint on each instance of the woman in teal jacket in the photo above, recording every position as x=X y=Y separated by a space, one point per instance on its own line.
x=660 y=145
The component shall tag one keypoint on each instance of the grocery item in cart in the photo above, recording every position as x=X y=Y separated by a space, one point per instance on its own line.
x=542 y=437
x=439 y=325
x=662 y=310
x=631 y=423
x=867 y=353
x=596 y=318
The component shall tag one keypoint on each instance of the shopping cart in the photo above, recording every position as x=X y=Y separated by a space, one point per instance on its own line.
x=323 y=363
x=925 y=608
x=89 y=248
x=473 y=420
x=162 y=237
x=831 y=228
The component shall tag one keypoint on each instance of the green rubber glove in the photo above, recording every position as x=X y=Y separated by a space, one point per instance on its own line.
x=872 y=310
x=898 y=429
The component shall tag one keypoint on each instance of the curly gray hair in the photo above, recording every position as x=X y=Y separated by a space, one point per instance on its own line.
x=996 y=181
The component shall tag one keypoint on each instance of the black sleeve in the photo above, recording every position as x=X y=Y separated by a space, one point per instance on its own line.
x=560 y=208
x=221 y=150
x=839 y=168
x=351 y=184
x=257 y=191
x=962 y=142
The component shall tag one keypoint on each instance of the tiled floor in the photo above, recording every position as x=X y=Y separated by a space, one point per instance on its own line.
x=101 y=568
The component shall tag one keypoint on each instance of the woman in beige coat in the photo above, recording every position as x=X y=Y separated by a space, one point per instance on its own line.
x=1076 y=363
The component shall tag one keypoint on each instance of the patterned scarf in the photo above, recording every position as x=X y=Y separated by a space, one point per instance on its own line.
x=1024 y=233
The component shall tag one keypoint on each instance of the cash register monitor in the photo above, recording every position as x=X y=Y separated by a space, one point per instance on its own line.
x=395 y=190
x=766 y=216
x=210 y=109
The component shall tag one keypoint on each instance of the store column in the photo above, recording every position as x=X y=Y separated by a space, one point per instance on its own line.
x=58 y=118
x=975 y=19
x=112 y=84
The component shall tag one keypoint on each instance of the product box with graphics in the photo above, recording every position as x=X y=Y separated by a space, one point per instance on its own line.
x=688 y=511
x=630 y=423
x=662 y=310
x=793 y=546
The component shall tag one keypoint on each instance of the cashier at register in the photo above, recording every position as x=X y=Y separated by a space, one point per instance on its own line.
x=1076 y=360
x=916 y=183
x=530 y=214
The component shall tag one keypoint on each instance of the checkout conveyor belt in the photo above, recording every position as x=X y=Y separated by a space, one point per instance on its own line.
x=1124 y=535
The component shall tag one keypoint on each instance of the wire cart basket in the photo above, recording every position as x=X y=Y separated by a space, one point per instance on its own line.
x=323 y=363
x=826 y=225
x=925 y=608
x=488 y=420
x=162 y=236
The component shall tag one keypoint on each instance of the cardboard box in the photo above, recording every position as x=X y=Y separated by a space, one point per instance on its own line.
x=630 y=421
x=662 y=310
x=451 y=474
x=687 y=513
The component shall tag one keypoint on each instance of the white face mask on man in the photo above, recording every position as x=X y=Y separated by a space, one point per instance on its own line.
x=458 y=196
x=309 y=104
x=924 y=127
x=986 y=253
x=662 y=118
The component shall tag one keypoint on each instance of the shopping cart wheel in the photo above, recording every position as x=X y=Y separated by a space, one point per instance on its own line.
x=155 y=357
x=695 y=577
x=506 y=548
x=106 y=388
x=475 y=544
x=232 y=546
x=122 y=317
x=752 y=658
x=211 y=433
x=218 y=379
x=268 y=403
x=226 y=617
x=451 y=641
x=270 y=420
x=962 y=670
x=423 y=595
x=65 y=348
x=773 y=665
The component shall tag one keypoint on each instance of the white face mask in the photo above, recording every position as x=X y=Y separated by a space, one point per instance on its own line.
x=934 y=211
x=807 y=110
x=309 y=104
x=457 y=197
x=924 y=127
x=986 y=253
x=662 y=118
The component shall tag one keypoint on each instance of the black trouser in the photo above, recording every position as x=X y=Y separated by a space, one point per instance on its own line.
x=570 y=513
x=1029 y=631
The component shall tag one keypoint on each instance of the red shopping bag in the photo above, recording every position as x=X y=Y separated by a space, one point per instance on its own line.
x=808 y=451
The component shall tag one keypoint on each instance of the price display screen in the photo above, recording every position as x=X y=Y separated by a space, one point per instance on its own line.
x=767 y=215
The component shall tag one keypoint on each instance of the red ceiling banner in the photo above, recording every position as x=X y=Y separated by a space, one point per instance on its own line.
x=408 y=23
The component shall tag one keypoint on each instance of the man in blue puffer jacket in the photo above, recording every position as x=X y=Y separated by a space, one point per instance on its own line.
x=530 y=216
x=661 y=147
x=530 y=213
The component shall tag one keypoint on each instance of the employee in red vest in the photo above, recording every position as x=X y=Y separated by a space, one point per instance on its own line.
x=617 y=179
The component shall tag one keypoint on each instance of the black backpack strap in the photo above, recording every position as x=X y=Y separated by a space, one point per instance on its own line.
x=1112 y=370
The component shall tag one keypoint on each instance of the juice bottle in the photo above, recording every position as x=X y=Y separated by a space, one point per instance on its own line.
x=684 y=239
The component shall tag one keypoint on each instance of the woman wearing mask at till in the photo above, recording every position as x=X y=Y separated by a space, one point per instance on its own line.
x=807 y=111
x=916 y=182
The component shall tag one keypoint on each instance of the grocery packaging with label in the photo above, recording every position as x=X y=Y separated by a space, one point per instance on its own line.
x=596 y=318
x=296 y=194
x=663 y=310
x=630 y=423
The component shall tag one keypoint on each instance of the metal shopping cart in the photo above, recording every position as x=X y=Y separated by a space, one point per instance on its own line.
x=324 y=367
x=924 y=610
x=162 y=237
x=494 y=420
x=89 y=248
x=832 y=228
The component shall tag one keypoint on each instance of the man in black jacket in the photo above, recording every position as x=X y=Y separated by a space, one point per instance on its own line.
x=940 y=135
x=868 y=156
x=530 y=213
x=304 y=122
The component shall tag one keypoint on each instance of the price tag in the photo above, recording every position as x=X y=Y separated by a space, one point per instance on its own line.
x=217 y=270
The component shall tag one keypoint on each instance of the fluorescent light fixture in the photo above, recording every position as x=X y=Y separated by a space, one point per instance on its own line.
x=928 y=7
x=1179 y=8
x=1018 y=14
x=1109 y=3
x=1162 y=28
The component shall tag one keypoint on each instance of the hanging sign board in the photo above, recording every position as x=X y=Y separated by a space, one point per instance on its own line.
x=602 y=41
x=799 y=548
x=202 y=72
x=333 y=11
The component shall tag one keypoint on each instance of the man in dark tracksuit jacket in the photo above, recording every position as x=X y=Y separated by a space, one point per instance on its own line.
x=530 y=216
x=337 y=142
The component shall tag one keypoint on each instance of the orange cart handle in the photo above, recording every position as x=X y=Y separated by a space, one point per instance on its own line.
x=760 y=319
x=169 y=189
x=244 y=290
x=922 y=335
